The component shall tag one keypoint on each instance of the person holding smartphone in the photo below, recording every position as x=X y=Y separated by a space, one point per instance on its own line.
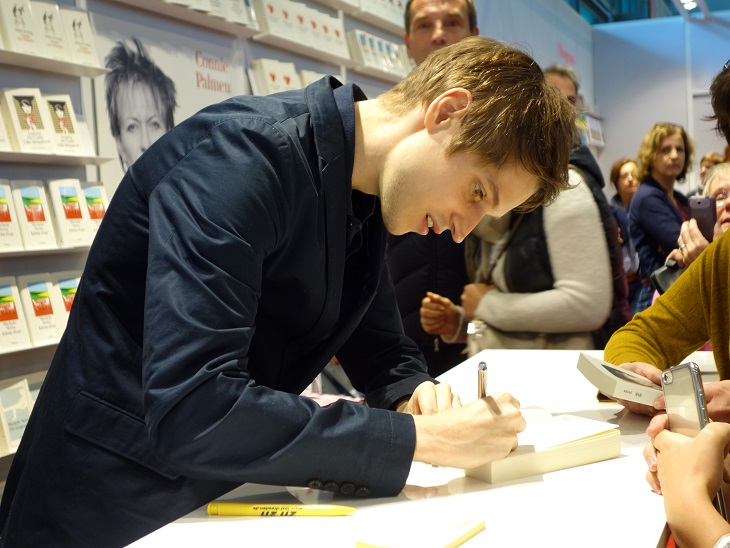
x=688 y=472
x=691 y=241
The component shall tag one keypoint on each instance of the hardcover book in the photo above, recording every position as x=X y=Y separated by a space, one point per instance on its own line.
x=14 y=333
x=28 y=122
x=80 y=35
x=551 y=443
x=10 y=238
x=617 y=382
x=34 y=215
x=96 y=201
x=52 y=41
x=15 y=408
x=18 y=26
x=45 y=324
x=64 y=129
x=70 y=214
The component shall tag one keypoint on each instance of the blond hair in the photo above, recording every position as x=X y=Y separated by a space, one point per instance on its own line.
x=515 y=115
x=652 y=142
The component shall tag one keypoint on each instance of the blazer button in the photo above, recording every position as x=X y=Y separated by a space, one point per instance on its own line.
x=362 y=492
x=314 y=484
x=331 y=486
x=347 y=488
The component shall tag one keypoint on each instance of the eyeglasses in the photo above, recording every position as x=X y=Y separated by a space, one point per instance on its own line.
x=720 y=198
x=726 y=65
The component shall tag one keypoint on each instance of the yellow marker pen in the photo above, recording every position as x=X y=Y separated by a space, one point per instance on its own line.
x=245 y=509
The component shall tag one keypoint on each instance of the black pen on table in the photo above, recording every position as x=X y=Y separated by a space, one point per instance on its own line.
x=482 y=379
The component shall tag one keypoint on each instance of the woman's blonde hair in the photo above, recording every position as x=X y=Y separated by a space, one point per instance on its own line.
x=652 y=142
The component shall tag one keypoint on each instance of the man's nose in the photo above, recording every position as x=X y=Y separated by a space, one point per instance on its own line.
x=438 y=33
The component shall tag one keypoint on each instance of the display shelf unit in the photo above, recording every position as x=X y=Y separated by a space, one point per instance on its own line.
x=45 y=64
x=31 y=362
x=198 y=18
x=51 y=159
x=285 y=43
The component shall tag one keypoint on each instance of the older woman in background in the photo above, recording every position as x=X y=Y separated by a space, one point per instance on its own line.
x=691 y=242
x=657 y=210
x=625 y=178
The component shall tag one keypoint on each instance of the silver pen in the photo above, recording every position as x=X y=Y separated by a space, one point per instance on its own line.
x=482 y=379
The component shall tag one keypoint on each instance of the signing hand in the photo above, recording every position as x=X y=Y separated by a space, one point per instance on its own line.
x=464 y=437
x=429 y=398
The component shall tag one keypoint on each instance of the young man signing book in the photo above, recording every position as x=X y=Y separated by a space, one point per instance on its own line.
x=243 y=250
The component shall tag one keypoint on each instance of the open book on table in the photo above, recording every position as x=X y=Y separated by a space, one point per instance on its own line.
x=551 y=443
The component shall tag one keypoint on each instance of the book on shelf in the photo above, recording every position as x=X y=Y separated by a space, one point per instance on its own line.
x=10 y=238
x=63 y=292
x=27 y=120
x=52 y=41
x=6 y=144
x=15 y=408
x=551 y=443
x=80 y=35
x=45 y=323
x=271 y=76
x=238 y=11
x=19 y=30
x=14 y=333
x=64 y=128
x=71 y=218
x=96 y=202
x=33 y=214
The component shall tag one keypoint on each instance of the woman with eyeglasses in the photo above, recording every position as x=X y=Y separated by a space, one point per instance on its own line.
x=657 y=210
x=691 y=242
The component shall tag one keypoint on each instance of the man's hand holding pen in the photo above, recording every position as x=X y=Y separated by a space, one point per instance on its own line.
x=449 y=434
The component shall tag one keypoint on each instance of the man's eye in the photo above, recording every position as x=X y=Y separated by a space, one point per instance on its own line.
x=479 y=191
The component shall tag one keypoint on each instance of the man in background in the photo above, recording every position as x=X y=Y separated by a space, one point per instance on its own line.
x=433 y=263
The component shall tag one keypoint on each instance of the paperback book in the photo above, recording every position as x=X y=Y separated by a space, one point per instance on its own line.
x=80 y=35
x=10 y=238
x=65 y=285
x=96 y=202
x=15 y=408
x=52 y=42
x=64 y=128
x=18 y=27
x=551 y=443
x=72 y=223
x=28 y=124
x=13 y=329
x=44 y=322
x=5 y=144
x=34 y=215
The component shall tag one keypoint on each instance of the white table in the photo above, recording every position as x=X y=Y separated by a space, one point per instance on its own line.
x=605 y=504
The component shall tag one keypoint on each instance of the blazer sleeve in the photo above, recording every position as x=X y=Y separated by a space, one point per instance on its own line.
x=658 y=219
x=207 y=418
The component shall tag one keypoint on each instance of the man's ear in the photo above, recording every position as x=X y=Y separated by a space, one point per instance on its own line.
x=447 y=109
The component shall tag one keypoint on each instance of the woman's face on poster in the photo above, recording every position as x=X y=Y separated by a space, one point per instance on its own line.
x=141 y=121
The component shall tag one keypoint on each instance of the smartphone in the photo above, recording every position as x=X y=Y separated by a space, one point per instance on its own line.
x=702 y=209
x=686 y=409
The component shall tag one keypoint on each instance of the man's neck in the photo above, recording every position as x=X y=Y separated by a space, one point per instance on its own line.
x=377 y=132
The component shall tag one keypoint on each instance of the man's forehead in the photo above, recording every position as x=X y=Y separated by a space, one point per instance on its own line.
x=431 y=5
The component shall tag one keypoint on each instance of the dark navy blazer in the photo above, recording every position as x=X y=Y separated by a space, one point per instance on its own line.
x=655 y=223
x=216 y=289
